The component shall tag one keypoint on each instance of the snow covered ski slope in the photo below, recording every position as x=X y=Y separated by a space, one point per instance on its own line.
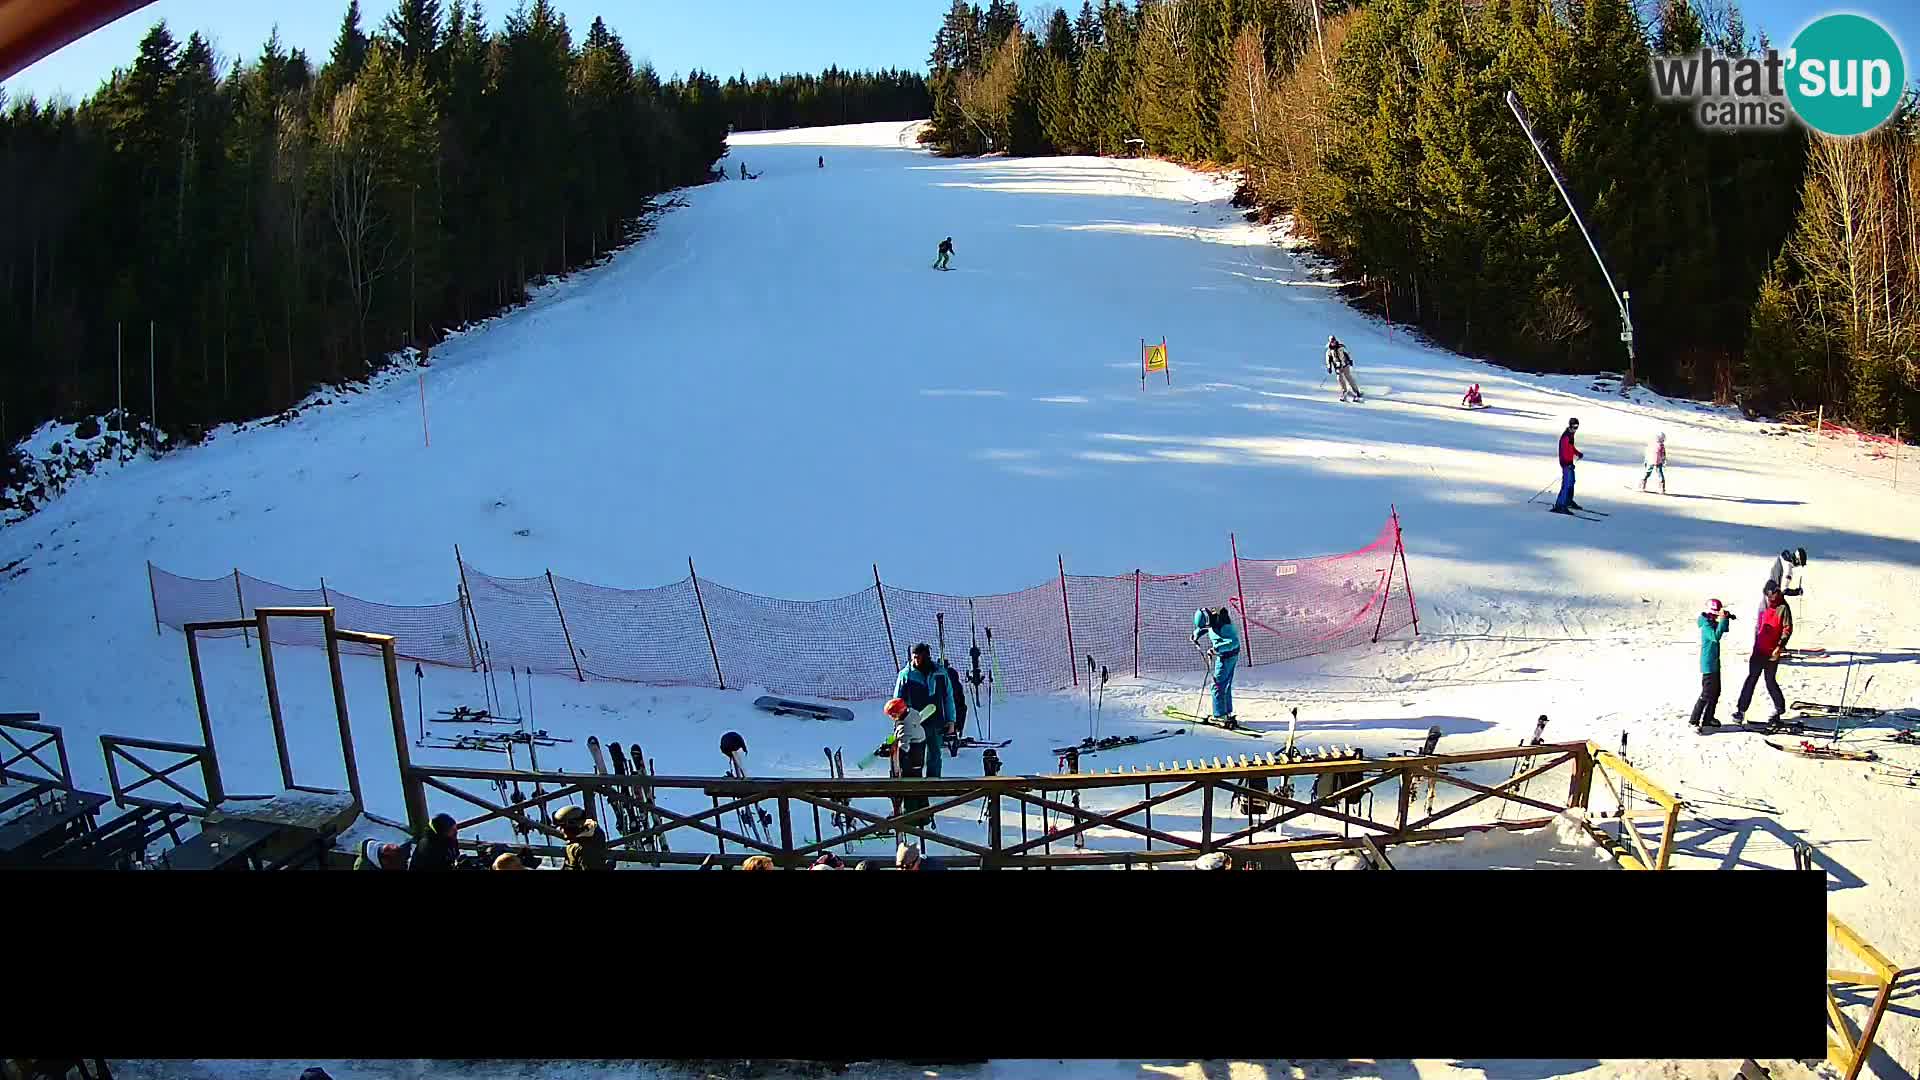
x=775 y=383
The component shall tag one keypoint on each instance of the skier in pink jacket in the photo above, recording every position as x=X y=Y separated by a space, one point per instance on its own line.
x=1656 y=462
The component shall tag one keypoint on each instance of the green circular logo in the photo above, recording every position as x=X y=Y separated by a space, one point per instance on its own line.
x=1847 y=75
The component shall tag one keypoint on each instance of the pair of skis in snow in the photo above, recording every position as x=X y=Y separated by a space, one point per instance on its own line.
x=1824 y=753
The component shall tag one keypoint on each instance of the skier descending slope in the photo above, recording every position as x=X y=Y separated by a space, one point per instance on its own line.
x=1471 y=399
x=1340 y=363
x=1713 y=622
x=946 y=252
x=1569 y=453
x=1214 y=633
x=1770 y=636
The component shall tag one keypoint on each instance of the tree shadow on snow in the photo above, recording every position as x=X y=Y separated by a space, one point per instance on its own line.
x=1529 y=1070
x=1737 y=499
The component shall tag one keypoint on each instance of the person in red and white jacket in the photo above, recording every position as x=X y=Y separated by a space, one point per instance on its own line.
x=1569 y=453
x=1656 y=462
x=1771 y=633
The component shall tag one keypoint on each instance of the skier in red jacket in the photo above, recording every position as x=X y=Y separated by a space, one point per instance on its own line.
x=1568 y=455
x=1770 y=636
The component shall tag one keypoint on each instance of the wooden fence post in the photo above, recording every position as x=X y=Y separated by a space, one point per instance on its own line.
x=240 y=601
x=154 y=594
x=885 y=621
x=563 y=628
x=469 y=611
x=1136 y=630
x=1073 y=665
x=718 y=677
x=1240 y=594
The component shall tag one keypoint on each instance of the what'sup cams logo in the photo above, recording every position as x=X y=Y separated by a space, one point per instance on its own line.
x=1843 y=75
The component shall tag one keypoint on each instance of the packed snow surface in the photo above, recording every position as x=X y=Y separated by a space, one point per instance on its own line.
x=775 y=383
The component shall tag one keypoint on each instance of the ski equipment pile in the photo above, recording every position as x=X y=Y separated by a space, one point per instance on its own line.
x=1824 y=753
x=1114 y=742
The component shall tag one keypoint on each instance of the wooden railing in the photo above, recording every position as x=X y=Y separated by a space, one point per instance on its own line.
x=119 y=748
x=1847 y=1048
x=1623 y=780
x=18 y=730
x=1019 y=821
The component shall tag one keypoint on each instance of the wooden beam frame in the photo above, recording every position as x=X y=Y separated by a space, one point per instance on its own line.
x=1847 y=1049
x=49 y=735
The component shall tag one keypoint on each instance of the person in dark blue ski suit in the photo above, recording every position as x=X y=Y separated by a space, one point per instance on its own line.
x=922 y=683
x=1214 y=633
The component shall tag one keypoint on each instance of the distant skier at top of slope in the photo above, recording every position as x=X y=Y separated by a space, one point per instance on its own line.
x=1471 y=399
x=1569 y=453
x=1340 y=363
x=946 y=252
x=1214 y=634
x=743 y=170
x=823 y=161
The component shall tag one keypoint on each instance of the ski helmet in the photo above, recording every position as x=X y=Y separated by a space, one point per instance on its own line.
x=731 y=743
x=896 y=708
x=1712 y=608
x=568 y=815
x=1800 y=556
x=1573 y=421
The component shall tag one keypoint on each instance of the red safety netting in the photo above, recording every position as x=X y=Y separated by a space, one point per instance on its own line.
x=700 y=633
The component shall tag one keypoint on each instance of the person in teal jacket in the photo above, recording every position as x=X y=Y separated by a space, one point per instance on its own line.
x=1214 y=633
x=1713 y=623
x=922 y=683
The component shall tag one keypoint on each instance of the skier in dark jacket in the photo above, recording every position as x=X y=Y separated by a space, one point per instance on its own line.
x=956 y=731
x=1713 y=622
x=946 y=252
x=438 y=848
x=1569 y=454
x=586 y=844
x=921 y=683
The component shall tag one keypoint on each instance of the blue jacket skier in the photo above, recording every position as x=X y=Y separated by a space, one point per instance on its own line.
x=1713 y=622
x=921 y=683
x=1214 y=633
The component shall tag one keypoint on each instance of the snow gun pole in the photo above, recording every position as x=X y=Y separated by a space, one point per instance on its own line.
x=1072 y=664
x=1619 y=298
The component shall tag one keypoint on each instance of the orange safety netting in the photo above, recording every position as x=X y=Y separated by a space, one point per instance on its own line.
x=699 y=633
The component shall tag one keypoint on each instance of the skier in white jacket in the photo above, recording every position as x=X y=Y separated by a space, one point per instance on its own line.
x=1656 y=459
x=1340 y=363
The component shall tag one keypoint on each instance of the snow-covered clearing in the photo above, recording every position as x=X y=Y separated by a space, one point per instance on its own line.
x=774 y=383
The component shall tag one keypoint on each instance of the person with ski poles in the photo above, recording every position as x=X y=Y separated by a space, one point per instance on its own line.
x=1656 y=461
x=1569 y=454
x=922 y=683
x=946 y=252
x=1214 y=635
x=1340 y=363
x=1770 y=636
x=1713 y=622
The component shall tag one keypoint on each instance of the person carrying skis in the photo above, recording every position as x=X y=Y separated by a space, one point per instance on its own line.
x=1340 y=363
x=908 y=745
x=1656 y=459
x=1471 y=399
x=1214 y=634
x=946 y=252
x=438 y=848
x=1713 y=622
x=922 y=683
x=586 y=843
x=1569 y=454
x=1770 y=636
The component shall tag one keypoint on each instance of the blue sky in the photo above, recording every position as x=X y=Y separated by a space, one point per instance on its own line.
x=726 y=36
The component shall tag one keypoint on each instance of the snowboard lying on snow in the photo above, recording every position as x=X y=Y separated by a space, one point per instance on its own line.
x=780 y=706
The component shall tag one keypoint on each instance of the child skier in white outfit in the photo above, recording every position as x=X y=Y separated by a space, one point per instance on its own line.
x=1656 y=459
